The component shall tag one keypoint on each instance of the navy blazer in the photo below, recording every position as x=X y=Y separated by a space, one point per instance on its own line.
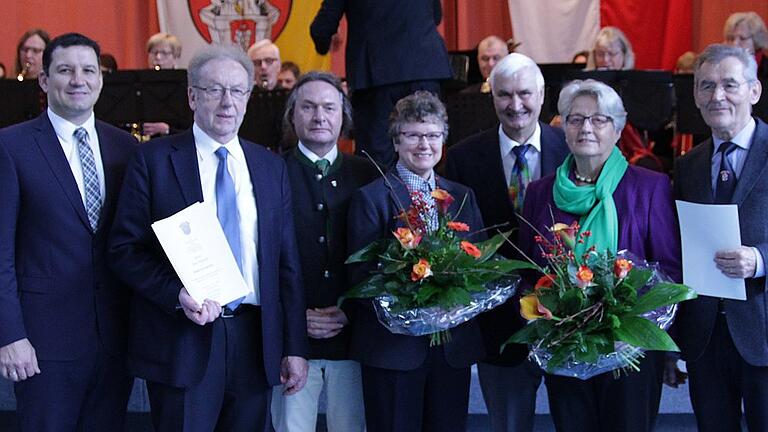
x=747 y=320
x=55 y=287
x=476 y=162
x=371 y=217
x=164 y=178
x=388 y=41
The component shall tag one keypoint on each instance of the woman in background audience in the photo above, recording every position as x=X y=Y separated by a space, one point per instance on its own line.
x=747 y=30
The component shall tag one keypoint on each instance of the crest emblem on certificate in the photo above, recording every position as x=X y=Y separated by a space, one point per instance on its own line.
x=242 y=22
x=185 y=228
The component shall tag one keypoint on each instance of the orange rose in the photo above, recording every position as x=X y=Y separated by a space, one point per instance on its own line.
x=458 y=226
x=443 y=199
x=546 y=281
x=621 y=268
x=470 y=249
x=406 y=237
x=584 y=276
x=421 y=270
x=532 y=309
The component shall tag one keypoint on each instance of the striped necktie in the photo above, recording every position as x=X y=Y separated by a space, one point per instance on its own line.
x=520 y=178
x=91 y=184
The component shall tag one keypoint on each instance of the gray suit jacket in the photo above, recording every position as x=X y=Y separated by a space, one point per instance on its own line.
x=747 y=320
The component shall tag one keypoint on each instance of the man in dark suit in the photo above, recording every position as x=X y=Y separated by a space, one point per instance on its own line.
x=62 y=312
x=723 y=341
x=323 y=181
x=393 y=49
x=210 y=366
x=498 y=164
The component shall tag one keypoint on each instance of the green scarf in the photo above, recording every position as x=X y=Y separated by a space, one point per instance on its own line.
x=594 y=202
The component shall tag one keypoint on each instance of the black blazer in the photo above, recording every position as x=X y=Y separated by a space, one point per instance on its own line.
x=55 y=287
x=476 y=162
x=371 y=217
x=388 y=41
x=747 y=320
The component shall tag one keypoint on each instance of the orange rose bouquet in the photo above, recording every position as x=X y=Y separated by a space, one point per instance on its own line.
x=598 y=312
x=430 y=280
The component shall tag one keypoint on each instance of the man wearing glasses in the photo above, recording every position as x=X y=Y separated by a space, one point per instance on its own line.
x=265 y=56
x=211 y=366
x=724 y=341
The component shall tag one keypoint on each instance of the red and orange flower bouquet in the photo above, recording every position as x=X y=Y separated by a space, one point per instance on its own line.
x=598 y=312
x=430 y=280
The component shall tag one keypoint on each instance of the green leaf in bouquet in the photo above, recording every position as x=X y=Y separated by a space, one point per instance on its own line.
x=453 y=296
x=559 y=355
x=370 y=252
x=642 y=333
x=393 y=266
x=637 y=278
x=526 y=335
x=662 y=294
x=371 y=287
x=426 y=292
x=571 y=300
x=490 y=246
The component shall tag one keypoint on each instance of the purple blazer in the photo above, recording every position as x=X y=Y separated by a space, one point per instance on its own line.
x=644 y=205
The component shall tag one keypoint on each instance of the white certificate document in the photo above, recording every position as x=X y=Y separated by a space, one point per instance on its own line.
x=704 y=230
x=198 y=250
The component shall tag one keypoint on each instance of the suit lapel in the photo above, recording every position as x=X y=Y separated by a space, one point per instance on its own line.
x=701 y=175
x=754 y=165
x=108 y=160
x=50 y=147
x=492 y=168
x=186 y=168
x=549 y=147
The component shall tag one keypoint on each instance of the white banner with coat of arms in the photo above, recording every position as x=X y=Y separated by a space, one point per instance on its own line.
x=201 y=22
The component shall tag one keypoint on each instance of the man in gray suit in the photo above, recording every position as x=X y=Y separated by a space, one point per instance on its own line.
x=725 y=342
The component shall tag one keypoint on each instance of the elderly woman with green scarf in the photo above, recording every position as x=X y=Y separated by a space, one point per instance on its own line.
x=625 y=208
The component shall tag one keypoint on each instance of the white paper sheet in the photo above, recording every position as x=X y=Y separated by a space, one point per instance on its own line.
x=198 y=250
x=704 y=230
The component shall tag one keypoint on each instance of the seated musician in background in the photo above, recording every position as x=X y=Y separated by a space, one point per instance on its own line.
x=265 y=56
x=29 y=53
x=747 y=30
x=612 y=51
x=489 y=52
x=163 y=52
x=289 y=73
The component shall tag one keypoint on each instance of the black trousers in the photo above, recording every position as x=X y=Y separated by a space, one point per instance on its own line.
x=371 y=109
x=604 y=403
x=432 y=398
x=233 y=395
x=87 y=394
x=720 y=380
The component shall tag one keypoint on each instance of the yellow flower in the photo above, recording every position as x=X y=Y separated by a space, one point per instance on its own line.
x=532 y=309
x=584 y=276
x=621 y=268
x=567 y=233
x=421 y=270
x=406 y=237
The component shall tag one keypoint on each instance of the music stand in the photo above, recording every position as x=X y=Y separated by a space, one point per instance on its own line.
x=118 y=104
x=21 y=101
x=264 y=118
x=554 y=77
x=468 y=114
x=689 y=120
x=163 y=97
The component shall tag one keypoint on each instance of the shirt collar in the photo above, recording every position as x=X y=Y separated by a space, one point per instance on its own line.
x=65 y=129
x=330 y=156
x=742 y=139
x=414 y=181
x=508 y=143
x=207 y=146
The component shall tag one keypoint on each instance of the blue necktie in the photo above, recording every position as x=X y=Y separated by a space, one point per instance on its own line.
x=726 y=176
x=520 y=177
x=226 y=211
x=90 y=178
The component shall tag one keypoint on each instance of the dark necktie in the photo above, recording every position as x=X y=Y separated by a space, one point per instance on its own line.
x=90 y=178
x=322 y=166
x=226 y=211
x=726 y=177
x=520 y=177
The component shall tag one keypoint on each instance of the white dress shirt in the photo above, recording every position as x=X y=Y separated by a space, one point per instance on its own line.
x=65 y=130
x=208 y=163
x=330 y=156
x=532 y=156
x=737 y=157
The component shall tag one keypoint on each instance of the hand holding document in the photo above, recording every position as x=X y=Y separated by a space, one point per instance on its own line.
x=198 y=250
x=704 y=230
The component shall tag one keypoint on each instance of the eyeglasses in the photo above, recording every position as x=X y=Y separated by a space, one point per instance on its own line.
x=730 y=87
x=598 y=121
x=161 y=53
x=415 y=137
x=268 y=61
x=217 y=92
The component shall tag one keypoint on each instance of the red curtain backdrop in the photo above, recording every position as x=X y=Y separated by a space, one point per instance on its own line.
x=660 y=30
x=120 y=26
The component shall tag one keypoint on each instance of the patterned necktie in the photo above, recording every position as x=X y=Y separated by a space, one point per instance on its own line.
x=521 y=176
x=322 y=166
x=726 y=177
x=90 y=178
x=226 y=211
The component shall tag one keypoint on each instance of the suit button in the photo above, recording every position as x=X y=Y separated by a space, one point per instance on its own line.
x=327 y=274
x=320 y=207
x=321 y=239
x=318 y=177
